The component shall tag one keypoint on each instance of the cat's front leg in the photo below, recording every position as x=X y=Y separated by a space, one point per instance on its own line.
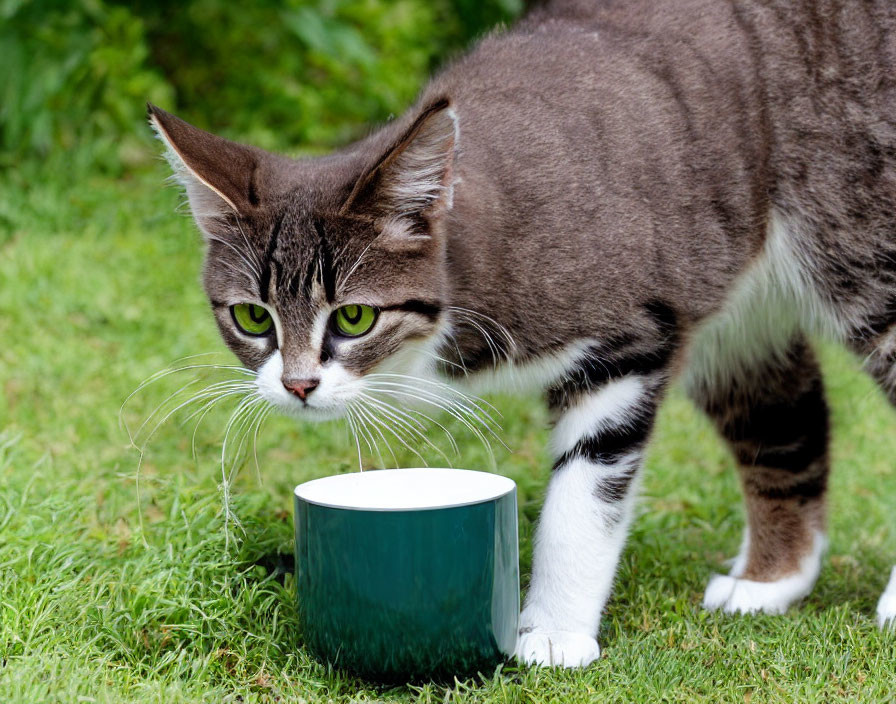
x=599 y=440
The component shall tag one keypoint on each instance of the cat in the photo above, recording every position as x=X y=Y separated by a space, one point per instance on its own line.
x=603 y=198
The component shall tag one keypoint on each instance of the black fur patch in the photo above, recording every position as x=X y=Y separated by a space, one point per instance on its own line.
x=615 y=487
x=786 y=434
x=326 y=270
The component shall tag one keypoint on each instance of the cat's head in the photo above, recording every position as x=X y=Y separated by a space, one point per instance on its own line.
x=323 y=272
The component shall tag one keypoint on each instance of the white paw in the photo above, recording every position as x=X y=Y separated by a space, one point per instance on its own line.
x=745 y=596
x=733 y=595
x=557 y=648
x=886 y=607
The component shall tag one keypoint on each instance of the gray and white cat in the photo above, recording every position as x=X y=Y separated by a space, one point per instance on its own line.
x=606 y=196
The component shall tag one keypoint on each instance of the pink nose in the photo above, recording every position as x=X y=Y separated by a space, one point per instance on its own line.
x=301 y=387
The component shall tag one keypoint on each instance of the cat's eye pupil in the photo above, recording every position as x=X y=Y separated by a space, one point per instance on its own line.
x=252 y=319
x=258 y=314
x=352 y=314
x=354 y=320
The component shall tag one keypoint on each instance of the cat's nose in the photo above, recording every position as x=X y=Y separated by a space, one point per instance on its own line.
x=301 y=387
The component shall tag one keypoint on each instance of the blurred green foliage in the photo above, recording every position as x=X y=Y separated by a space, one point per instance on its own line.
x=300 y=74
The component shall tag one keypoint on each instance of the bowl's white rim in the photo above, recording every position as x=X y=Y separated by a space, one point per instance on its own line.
x=399 y=509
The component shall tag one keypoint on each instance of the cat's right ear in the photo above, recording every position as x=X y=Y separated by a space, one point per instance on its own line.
x=221 y=178
x=412 y=182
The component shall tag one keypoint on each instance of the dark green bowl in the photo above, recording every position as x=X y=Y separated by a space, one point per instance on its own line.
x=405 y=574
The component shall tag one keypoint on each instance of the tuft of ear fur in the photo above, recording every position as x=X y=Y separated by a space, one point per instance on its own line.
x=220 y=177
x=412 y=182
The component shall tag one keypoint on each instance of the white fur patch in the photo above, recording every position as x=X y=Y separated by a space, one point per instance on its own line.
x=739 y=563
x=415 y=358
x=528 y=376
x=733 y=595
x=579 y=538
x=886 y=607
x=326 y=402
x=611 y=405
x=767 y=306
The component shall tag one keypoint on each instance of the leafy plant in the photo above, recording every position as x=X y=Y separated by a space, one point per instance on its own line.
x=302 y=74
x=73 y=79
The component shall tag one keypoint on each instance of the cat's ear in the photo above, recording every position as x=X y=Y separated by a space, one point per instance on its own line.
x=412 y=182
x=220 y=177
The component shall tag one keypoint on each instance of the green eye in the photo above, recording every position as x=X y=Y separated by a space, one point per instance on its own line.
x=353 y=321
x=251 y=319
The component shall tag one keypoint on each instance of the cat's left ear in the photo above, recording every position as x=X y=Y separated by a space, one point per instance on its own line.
x=412 y=182
x=221 y=178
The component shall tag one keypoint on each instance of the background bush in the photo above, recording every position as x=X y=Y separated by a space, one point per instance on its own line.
x=302 y=75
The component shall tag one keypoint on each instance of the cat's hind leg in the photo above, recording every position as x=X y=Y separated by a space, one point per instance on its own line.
x=772 y=412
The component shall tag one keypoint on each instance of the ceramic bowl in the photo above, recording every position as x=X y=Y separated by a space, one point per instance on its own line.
x=408 y=573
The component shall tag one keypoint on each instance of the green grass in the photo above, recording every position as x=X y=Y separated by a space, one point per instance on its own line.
x=113 y=594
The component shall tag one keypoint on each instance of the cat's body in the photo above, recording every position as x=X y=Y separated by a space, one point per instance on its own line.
x=608 y=195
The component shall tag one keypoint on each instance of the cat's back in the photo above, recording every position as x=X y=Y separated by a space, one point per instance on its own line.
x=626 y=134
x=732 y=99
x=801 y=64
x=599 y=134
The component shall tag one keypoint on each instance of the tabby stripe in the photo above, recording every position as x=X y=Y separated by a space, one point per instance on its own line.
x=729 y=223
x=792 y=458
x=326 y=273
x=612 y=405
x=593 y=372
x=294 y=280
x=764 y=128
x=265 y=281
x=810 y=487
x=425 y=308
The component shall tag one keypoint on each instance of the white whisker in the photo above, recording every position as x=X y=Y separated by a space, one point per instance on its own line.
x=450 y=410
x=227 y=477
x=354 y=432
x=412 y=426
x=372 y=421
x=475 y=400
x=501 y=329
x=464 y=403
x=344 y=280
x=447 y=362
x=381 y=423
x=368 y=438
x=253 y=272
x=249 y=248
x=262 y=417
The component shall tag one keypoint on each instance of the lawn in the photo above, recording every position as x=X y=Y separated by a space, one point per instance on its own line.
x=119 y=590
